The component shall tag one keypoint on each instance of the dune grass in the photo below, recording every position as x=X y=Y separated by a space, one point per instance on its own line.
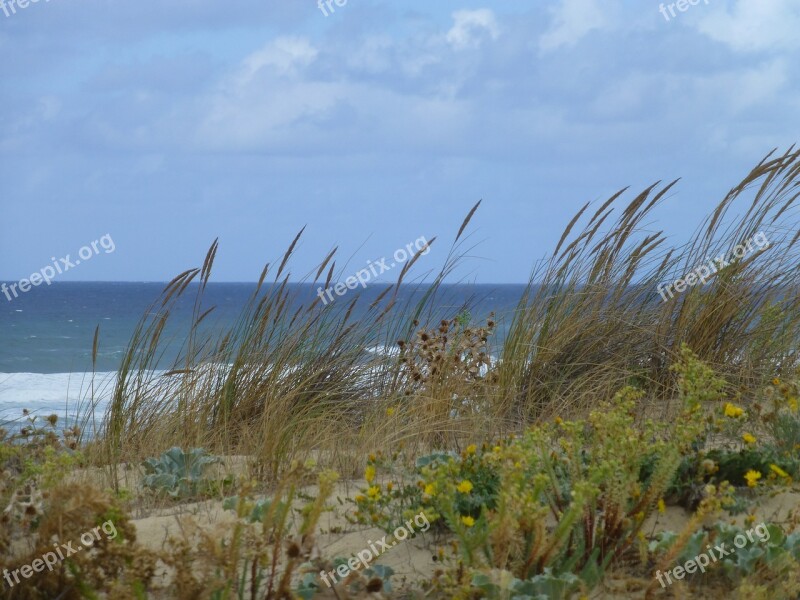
x=592 y=319
x=288 y=382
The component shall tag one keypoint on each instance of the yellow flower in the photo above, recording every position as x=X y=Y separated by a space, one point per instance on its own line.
x=749 y=438
x=389 y=486
x=369 y=473
x=360 y=498
x=776 y=381
x=371 y=458
x=465 y=487
x=374 y=491
x=468 y=521
x=430 y=489
x=793 y=403
x=662 y=506
x=733 y=411
x=558 y=420
x=471 y=449
x=752 y=478
x=496 y=449
x=778 y=471
x=389 y=411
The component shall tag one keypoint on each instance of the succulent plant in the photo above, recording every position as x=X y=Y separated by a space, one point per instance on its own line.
x=177 y=473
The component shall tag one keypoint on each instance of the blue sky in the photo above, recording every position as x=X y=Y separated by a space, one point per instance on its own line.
x=169 y=124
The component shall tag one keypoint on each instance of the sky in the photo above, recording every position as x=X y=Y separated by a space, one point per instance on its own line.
x=167 y=125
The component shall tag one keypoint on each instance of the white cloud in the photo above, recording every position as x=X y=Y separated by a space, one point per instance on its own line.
x=470 y=26
x=265 y=95
x=283 y=55
x=271 y=101
x=374 y=55
x=268 y=111
x=572 y=20
x=414 y=63
x=754 y=25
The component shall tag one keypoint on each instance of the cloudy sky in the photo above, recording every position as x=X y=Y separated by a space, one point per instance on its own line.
x=169 y=124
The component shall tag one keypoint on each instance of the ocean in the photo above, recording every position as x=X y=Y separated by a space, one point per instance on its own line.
x=47 y=333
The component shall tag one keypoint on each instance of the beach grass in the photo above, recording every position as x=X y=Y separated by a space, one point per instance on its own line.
x=283 y=383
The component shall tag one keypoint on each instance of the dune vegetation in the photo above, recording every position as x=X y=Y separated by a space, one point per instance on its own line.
x=610 y=436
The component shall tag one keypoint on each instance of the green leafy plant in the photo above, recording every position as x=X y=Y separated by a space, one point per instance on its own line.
x=769 y=551
x=545 y=586
x=179 y=474
x=388 y=504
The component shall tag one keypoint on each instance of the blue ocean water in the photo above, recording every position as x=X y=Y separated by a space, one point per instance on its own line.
x=47 y=333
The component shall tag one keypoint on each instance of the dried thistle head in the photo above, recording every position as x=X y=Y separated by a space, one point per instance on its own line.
x=293 y=550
